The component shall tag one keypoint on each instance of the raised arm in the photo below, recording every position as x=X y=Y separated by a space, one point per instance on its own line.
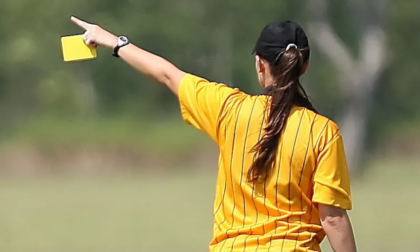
x=148 y=64
x=202 y=102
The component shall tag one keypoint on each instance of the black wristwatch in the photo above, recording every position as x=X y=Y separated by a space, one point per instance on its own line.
x=122 y=41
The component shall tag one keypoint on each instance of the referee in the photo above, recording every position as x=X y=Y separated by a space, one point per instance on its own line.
x=283 y=182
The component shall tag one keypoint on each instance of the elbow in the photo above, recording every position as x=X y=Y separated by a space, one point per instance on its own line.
x=332 y=216
x=335 y=222
x=332 y=221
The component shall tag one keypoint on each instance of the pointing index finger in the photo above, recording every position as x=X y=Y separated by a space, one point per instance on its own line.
x=82 y=24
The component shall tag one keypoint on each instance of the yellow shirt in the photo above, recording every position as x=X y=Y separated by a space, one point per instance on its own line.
x=280 y=214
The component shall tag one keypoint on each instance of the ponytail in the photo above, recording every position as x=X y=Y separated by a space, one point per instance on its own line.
x=285 y=93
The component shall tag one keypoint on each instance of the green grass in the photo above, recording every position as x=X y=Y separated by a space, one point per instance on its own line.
x=172 y=212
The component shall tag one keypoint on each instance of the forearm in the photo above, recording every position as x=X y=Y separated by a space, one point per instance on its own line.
x=148 y=64
x=152 y=66
x=340 y=233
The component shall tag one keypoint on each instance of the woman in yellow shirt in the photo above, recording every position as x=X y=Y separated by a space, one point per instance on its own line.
x=282 y=181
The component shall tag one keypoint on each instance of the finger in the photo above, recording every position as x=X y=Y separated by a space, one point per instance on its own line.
x=90 y=42
x=82 y=24
x=85 y=36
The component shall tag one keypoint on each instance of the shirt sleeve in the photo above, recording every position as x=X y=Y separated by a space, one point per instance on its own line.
x=331 y=179
x=202 y=103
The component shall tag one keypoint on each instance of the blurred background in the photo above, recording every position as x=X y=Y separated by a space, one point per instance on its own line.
x=94 y=157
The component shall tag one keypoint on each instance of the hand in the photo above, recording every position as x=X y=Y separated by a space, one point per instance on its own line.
x=96 y=36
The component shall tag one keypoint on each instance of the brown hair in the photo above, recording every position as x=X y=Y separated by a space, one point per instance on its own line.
x=286 y=92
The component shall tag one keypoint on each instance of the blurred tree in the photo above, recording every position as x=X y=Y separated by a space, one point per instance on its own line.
x=359 y=75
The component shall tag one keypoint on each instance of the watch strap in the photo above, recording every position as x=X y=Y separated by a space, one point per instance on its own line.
x=119 y=46
x=116 y=49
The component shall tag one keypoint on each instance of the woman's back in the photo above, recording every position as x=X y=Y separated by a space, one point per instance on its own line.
x=279 y=211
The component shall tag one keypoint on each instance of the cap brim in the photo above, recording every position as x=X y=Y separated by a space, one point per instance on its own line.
x=254 y=50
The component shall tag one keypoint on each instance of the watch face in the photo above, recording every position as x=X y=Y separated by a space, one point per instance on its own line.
x=123 y=39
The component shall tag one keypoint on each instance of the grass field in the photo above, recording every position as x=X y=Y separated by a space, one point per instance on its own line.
x=172 y=212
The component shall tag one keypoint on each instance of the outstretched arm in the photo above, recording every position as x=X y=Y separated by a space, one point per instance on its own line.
x=148 y=64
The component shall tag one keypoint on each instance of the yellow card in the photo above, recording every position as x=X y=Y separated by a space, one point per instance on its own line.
x=75 y=49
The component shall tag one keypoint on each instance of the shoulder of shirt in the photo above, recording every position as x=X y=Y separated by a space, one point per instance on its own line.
x=229 y=89
x=326 y=129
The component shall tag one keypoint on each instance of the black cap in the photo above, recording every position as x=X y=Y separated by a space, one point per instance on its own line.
x=276 y=36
